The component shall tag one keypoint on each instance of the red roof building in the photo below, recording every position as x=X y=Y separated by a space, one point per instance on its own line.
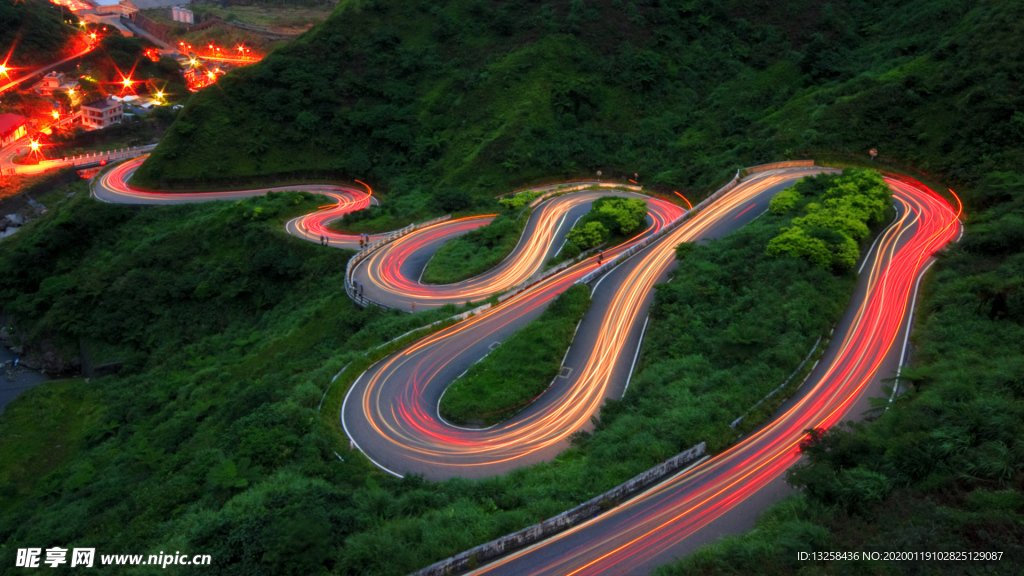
x=12 y=127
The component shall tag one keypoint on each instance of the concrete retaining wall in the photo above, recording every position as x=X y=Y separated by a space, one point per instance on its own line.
x=589 y=509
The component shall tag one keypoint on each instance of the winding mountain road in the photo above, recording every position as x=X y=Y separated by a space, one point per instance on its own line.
x=391 y=413
x=724 y=493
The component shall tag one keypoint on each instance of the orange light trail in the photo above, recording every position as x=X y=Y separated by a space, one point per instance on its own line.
x=405 y=425
x=690 y=206
x=398 y=427
x=114 y=186
x=648 y=527
x=5 y=69
x=383 y=269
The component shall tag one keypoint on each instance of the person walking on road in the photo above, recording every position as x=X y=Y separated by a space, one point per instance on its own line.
x=600 y=257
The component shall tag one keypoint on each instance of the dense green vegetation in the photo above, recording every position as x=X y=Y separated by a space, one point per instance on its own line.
x=474 y=253
x=119 y=56
x=610 y=219
x=730 y=327
x=518 y=201
x=521 y=369
x=59 y=415
x=32 y=34
x=481 y=95
x=230 y=332
x=943 y=469
x=210 y=441
x=828 y=232
x=399 y=210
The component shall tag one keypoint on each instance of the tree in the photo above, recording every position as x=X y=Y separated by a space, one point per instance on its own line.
x=627 y=213
x=589 y=235
x=453 y=199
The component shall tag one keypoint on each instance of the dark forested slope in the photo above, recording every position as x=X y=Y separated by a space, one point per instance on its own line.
x=484 y=94
x=31 y=33
x=210 y=441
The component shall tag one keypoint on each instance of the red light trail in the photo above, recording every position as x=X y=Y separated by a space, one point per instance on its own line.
x=391 y=410
x=648 y=527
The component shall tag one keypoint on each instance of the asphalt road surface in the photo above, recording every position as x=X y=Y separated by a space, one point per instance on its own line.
x=391 y=414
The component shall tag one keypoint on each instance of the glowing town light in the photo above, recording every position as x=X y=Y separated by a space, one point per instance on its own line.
x=3 y=70
x=55 y=114
x=193 y=62
x=34 y=145
x=93 y=35
x=160 y=94
x=127 y=82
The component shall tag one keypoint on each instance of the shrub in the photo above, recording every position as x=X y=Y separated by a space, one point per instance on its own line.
x=588 y=235
x=828 y=233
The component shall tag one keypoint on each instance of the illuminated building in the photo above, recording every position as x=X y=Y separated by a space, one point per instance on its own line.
x=114 y=7
x=200 y=77
x=102 y=113
x=12 y=127
x=56 y=81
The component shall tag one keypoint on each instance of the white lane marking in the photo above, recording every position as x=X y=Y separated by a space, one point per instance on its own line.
x=636 y=355
x=906 y=338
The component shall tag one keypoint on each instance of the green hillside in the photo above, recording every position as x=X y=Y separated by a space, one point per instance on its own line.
x=32 y=32
x=230 y=331
x=485 y=95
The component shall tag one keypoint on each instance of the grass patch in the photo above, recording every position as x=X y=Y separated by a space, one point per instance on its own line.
x=522 y=368
x=42 y=429
x=474 y=253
